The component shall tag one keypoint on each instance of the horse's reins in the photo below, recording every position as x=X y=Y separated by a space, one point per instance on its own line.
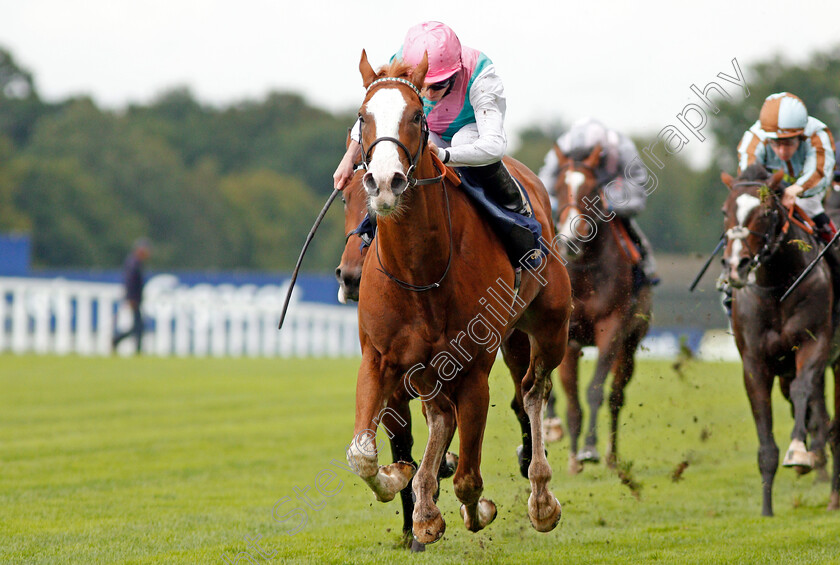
x=412 y=181
x=770 y=244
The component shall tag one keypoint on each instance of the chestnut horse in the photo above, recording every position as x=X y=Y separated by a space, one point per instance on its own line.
x=398 y=424
x=766 y=250
x=434 y=261
x=607 y=313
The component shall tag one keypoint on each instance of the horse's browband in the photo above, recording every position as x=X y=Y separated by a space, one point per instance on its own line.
x=396 y=79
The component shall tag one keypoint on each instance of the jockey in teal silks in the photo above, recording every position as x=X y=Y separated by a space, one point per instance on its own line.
x=464 y=102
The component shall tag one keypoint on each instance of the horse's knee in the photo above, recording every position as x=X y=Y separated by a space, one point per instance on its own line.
x=768 y=458
x=468 y=487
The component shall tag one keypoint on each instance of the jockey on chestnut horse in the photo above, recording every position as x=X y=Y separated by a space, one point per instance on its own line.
x=612 y=296
x=407 y=328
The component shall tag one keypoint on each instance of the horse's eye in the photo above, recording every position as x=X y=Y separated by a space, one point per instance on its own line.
x=417 y=117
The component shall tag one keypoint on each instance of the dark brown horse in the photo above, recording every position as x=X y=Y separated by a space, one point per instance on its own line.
x=607 y=313
x=426 y=317
x=766 y=250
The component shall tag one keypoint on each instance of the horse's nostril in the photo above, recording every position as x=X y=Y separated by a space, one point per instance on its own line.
x=370 y=184
x=338 y=274
x=399 y=182
x=743 y=262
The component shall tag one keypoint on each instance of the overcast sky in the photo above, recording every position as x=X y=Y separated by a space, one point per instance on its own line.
x=629 y=63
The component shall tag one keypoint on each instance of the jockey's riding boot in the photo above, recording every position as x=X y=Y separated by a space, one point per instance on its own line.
x=500 y=187
x=648 y=264
x=825 y=227
x=825 y=231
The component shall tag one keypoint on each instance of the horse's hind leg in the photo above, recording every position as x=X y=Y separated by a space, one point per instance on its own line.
x=810 y=372
x=471 y=410
x=623 y=372
x=759 y=382
x=543 y=507
x=516 y=351
x=574 y=413
x=428 y=523
x=388 y=480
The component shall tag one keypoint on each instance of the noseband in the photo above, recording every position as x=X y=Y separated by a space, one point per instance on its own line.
x=413 y=159
x=771 y=243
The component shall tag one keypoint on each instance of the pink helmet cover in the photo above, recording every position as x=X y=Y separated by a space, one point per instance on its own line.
x=442 y=45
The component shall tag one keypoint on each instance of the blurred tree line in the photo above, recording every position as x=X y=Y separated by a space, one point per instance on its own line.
x=683 y=213
x=238 y=187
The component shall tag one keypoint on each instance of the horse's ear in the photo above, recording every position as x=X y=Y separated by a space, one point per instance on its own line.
x=594 y=157
x=562 y=158
x=368 y=74
x=418 y=75
x=727 y=179
x=776 y=180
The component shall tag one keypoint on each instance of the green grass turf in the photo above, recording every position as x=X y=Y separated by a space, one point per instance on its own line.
x=177 y=460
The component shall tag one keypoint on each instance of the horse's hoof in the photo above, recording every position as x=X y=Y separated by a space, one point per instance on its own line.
x=544 y=519
x=429 y=531
x=449 y=465
x=575 y=466
x=799 y=457
x=391 y=479
x=417 y=547
x=834 y=501
x=553 y=429
x=486 y=514
x=589 y=454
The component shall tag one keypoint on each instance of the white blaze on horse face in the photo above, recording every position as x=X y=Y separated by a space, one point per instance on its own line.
x=744 y=205
x=574 y=180
x=386 y=107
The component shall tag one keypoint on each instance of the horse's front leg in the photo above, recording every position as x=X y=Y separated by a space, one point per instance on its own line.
x=428 y=522
x=574 y=413
x=398 y=425
x=471 y=403
x=606 y=334
x=758 y=380
x=811 y=359
x=372 y=389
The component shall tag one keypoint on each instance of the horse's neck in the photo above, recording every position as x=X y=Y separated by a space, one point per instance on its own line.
x=417 y=240
x=602 y=247
x=787 y=262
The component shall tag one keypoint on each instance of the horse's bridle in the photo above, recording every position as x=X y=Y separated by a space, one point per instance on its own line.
x=412 y=181
x=771 y=243
x=424 y=140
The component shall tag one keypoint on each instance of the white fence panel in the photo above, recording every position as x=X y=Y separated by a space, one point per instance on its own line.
x=57 y=316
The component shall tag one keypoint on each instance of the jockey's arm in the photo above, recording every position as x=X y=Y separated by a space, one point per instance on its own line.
x=487 y=97
x=344 y=172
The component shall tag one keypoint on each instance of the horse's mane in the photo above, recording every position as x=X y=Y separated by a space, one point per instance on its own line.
x=396 y=68
x=755 y=172
x=579 y=154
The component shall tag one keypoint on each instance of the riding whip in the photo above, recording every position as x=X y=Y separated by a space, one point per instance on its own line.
x=303 y=251
x=702 y=272
x=810 y=267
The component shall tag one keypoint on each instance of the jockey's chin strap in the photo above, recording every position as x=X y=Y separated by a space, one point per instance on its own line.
x=424 y=140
